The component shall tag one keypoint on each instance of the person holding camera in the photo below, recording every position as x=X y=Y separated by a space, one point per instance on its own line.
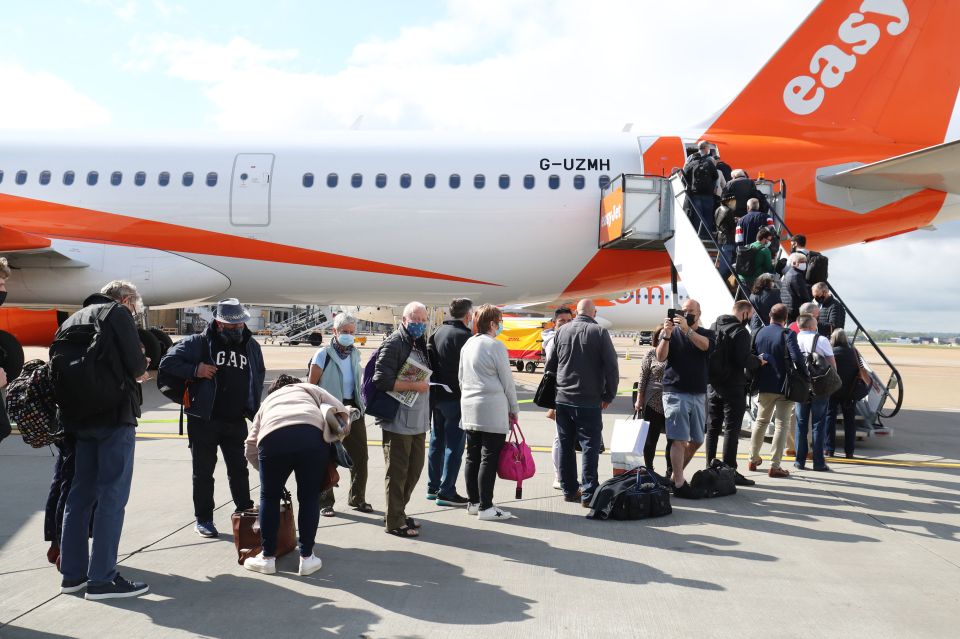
x=685 y=346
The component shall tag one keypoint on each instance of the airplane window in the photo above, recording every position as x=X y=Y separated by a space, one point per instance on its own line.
x=405 y=181
x=429 y=180
x=67 y=177
x=504 y=181
x=332 y=180
x=92 y=177
x=604 y=181
x=479 y=180
x=579 y=181
x=307 y=180
x=528 y=181
x=554 y=181
x=381 y=180
x=454 y=181
x=21 y=177
x=212 y=179
x=116 y=178
x=139 y=178
x=44 y=177
x=356 y=180
x=187 y=179
x=163 y=179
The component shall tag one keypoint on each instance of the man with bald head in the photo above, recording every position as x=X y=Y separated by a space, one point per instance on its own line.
x=685 y=346
x=585 y=364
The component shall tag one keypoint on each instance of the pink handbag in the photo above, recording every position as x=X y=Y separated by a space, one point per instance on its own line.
x=516 y=459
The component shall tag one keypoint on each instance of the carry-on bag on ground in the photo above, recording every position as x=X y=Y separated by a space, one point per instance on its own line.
x=246 y=530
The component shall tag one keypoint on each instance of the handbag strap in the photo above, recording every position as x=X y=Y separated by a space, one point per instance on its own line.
x=517 y=433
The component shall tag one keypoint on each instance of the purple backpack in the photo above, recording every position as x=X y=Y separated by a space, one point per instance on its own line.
x=378 y=403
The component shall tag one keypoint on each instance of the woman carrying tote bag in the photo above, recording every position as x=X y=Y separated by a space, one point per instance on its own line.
x=488 y=405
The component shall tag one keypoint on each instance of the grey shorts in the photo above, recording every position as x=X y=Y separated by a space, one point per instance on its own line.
x=686 y=415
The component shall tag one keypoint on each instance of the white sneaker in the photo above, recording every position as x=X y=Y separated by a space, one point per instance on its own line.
x=309 y=565
x=473 y=509
x=266 y=565
x=494 y=514
x=556 y=485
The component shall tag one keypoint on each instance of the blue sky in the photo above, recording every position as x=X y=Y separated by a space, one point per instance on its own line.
x=151 y=66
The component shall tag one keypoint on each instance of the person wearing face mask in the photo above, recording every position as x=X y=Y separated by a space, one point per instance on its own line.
x=104 y=448
x=727 y=391
x=685 y=347
x=224 y=370
x=336 y=369
x=794 y=290
x=585 y=364
x=404 y=436
x=446 y=436
x=831 y=311
x=762 y=260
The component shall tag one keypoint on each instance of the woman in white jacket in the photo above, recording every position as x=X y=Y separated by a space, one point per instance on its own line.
x=488 y=406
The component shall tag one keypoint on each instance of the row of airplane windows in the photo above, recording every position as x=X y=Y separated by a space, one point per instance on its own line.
x=356 y=179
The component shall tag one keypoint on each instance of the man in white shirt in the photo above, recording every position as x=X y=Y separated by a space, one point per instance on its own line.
x=812 y=414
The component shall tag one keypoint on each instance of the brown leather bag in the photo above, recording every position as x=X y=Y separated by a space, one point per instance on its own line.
x=246 y=530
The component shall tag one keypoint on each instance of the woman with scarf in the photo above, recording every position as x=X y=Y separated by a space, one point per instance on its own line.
x=336 y=369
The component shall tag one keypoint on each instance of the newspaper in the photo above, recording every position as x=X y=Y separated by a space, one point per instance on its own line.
x=411 y=371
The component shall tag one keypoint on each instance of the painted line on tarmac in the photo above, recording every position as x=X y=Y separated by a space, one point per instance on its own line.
x=833 y=460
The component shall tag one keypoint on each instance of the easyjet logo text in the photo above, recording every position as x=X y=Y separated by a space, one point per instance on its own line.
x=830 y=64
x=611 y=216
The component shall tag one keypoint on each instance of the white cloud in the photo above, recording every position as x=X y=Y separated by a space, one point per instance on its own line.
x=37 y=100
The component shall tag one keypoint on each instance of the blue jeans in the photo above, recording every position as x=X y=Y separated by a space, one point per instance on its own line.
x=585 y=424
x=446 y=449
x=705 y=205
x=729 y=251
x=299 y=450
x=815 y=410
x=104 y=468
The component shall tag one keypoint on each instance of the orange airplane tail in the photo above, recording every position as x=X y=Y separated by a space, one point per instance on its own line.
x=870 y=71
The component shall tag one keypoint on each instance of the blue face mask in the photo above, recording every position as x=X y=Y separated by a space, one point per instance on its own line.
x=416 y=329
x=345 y=340
x=499 y=328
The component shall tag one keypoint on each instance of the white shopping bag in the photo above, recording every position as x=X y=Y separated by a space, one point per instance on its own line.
x=629 y=436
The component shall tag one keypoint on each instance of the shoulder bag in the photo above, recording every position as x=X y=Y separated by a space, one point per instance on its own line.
x=796 y=386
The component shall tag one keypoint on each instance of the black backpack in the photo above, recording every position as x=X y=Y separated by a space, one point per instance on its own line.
x=746 y=260
x=84 y=368
x=719 y=366
x=704 y=176
x=817 y=266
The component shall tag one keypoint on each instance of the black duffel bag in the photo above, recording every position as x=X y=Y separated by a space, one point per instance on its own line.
x=546 y=395
x=639 y=494
x=718 y=480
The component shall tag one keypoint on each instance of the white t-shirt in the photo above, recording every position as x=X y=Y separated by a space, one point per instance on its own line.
x=805 y=339
x=346 y=370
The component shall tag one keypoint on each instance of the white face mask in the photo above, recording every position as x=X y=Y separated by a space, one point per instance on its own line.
x=802 y=266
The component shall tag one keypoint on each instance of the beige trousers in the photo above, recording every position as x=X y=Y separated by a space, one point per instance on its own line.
x=772 y=405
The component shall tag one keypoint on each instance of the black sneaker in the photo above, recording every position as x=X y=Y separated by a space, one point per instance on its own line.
x=685 y=491
x=453 y=500
x=68 y=586
x=740 y=480
x=118 y=589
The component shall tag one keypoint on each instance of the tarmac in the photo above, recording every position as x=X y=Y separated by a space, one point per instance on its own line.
x=869 y=549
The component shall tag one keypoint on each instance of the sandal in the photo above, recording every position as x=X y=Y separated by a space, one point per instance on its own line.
x=413 y=523
x=406 y=532
x=328 y=512
x=363 y=507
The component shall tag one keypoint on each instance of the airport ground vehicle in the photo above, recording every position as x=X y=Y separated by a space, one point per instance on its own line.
x=523 y=338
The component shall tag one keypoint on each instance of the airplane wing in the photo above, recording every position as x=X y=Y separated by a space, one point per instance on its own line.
x=936 y=167
x=25 y=250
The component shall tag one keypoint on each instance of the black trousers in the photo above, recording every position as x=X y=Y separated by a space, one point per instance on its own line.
x=727 y=408
x=205 y=437
x=480 y=473
x=658 y=424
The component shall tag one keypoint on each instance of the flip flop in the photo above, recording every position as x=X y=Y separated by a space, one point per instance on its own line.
x=413 y=523
x=364 y=508
x=404 y=531
x=328 y=512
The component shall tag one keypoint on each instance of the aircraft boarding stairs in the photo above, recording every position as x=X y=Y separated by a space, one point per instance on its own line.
x=639 y=212
x=303 y=327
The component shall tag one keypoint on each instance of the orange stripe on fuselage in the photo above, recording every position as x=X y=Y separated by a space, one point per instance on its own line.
x=73 y=223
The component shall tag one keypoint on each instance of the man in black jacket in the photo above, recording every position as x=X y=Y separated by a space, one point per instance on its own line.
x=104 y=454
x=585 y=363
x=446 y=436
x=742 y=188
x=728 y=384
x=224 y=366
x=794 y=290
x=831 y=312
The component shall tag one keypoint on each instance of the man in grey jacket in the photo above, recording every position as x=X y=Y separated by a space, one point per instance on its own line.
x=585 y=363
